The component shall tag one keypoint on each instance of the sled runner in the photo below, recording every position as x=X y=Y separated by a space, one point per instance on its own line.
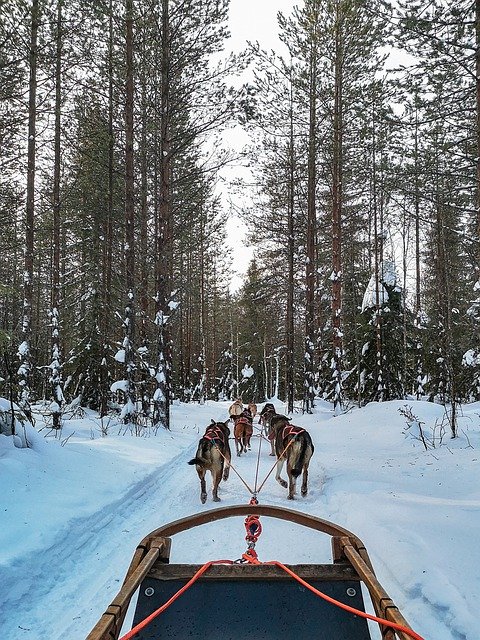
x=249 y=599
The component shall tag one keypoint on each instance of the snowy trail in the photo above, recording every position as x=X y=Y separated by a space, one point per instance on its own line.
x=106 y=535
x=66 y=587
x=82 y=589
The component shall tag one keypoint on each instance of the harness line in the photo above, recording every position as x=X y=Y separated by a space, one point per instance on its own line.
x=275 y=464
x=254 y=493
x=258 y=464
x=233 y=469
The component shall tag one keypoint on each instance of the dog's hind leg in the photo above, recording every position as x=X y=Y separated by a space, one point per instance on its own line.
x=304 y=489
x=292 y=481
x=226 y=465
x=272 y=446
x=280 y=463
x=217 y=476
x=203 y=486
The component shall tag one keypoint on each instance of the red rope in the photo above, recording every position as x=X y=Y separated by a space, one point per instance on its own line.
x=251 y=557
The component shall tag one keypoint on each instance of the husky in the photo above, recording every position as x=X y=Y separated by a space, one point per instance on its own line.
x=252 y=407
x=265 y=418
x=236 y=409
x=213 y=454
x=294 y=445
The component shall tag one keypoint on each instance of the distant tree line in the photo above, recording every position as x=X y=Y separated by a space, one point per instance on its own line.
x=365 y=219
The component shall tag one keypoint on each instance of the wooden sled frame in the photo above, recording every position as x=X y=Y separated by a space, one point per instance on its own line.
x=350 y=559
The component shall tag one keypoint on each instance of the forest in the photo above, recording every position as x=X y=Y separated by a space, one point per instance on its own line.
x=362 y=205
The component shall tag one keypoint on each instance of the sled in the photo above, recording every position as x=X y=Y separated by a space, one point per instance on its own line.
x=250 y=601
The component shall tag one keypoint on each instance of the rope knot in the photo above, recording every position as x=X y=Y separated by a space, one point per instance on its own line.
x=253 y=528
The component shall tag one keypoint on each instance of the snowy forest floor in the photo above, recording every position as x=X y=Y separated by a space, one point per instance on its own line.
x=73 y=509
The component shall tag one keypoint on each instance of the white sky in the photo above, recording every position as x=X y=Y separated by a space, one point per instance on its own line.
x=250 y=20
x=257 y=20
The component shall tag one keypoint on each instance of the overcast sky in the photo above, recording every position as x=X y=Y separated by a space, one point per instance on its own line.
x=257 y=20
x=250 y=20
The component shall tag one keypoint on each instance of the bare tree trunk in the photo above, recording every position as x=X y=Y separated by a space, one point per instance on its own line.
x=25 y=370
x=55 y=366
x=203 y=317
x=290 y=337
x=418 y=274
x=162 y=393
x=310 y=279
x=108 y=226
x=143 y=293
x=129 y=322
x=477 y=85
x=378 y=393
x=337 y=194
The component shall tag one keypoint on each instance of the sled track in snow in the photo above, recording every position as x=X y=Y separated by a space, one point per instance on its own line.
x=26 y=584
x=44 y=612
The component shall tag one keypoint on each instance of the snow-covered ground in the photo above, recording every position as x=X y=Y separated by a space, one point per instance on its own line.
x=73 y=509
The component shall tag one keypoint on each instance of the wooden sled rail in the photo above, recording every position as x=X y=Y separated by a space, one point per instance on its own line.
x=154 y=549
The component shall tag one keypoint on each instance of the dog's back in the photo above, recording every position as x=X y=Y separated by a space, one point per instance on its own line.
x=213 y=454
x=299 y=452
x=212 y=446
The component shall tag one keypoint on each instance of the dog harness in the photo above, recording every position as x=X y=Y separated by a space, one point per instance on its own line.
x=214 y=433
x=291 y=430
x=243 y=420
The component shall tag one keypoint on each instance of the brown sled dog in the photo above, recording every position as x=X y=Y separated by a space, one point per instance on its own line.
x=242 y=432
x=294 y=446
x=213 y=454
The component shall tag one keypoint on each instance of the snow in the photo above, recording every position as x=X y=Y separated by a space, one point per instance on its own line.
x=388 y=276
x=471 y=358
x=247 y=371
x=23 y=349
x=74 y=508
x=120 y=385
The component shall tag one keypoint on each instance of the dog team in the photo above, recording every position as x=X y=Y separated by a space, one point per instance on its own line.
x=290 y=444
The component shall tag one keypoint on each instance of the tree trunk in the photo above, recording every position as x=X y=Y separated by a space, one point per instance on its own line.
x=55 y=366
x=108 y=226
x=378 y=391
x=162 y=393
x=477 y=86
x=290 y=337
x=310 y=278
x=337 y=360
x=129 y=322
x=25 y=370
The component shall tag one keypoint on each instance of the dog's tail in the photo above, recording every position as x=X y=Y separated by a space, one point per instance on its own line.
x=301 y=450
x=197 y=460
x=202 y=453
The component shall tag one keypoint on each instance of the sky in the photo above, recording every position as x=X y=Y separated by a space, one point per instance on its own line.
x=250 y=20
x=74 y=508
